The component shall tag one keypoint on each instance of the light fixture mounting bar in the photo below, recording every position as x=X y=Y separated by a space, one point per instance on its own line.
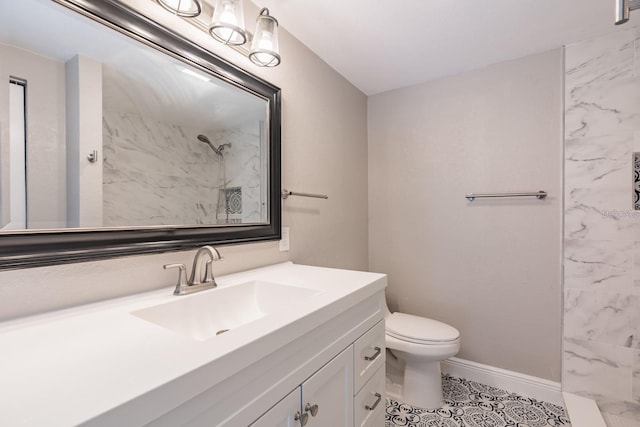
x=624 y=8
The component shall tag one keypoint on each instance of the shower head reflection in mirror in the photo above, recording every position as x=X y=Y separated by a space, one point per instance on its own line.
x=219 y=150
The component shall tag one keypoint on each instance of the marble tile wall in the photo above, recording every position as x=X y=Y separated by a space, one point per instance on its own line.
x=601 y=330
x=157 y=173
x=244 y=168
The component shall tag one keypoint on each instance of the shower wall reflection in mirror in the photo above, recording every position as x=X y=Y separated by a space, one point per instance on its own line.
x=102 y=131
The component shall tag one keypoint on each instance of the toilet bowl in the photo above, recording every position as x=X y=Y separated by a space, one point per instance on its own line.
x=421 y=343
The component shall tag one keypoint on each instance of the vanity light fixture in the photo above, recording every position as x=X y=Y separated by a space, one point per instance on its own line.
x=264 y=47
x=185 y=8
x=227 y=27
x=227 y=24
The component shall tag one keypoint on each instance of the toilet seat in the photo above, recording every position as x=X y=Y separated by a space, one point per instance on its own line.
x=420 y=330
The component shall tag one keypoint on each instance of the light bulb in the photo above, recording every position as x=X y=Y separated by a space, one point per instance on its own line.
x=264 y=48
x=227 y=24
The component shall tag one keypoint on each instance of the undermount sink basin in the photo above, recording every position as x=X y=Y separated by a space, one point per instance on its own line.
x=209 y=313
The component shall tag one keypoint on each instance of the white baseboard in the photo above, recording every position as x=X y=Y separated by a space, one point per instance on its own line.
x=526 y=385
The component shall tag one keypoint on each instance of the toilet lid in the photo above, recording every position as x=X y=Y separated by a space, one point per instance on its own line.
x=416 y=328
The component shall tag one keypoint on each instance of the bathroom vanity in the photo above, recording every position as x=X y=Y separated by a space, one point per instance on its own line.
x=276 y=346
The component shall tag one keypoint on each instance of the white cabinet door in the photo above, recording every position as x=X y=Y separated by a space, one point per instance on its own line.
x=327 y=399
x=331 y=389
x=283 y=414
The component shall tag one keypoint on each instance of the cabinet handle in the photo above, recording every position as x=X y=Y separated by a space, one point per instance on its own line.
x=303 y=418
x=372 y=407
x=311 y=408
x=375 y=355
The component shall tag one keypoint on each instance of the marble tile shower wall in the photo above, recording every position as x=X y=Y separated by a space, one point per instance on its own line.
x=601 y=345
x=157 y=173
x=244 y=162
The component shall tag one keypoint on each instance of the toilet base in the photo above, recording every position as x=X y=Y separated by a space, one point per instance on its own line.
x=423 y=384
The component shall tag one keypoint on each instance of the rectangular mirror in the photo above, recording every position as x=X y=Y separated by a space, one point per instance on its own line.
x=114 y=142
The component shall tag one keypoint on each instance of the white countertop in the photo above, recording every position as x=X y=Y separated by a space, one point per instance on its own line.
x=68 y=367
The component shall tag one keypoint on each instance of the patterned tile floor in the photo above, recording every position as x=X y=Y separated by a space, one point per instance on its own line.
x=471 y=404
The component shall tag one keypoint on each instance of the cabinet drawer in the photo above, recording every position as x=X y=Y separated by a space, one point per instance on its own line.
x=369 y=404
x=369 y=353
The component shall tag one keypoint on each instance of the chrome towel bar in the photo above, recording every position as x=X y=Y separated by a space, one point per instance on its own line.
x=538 y=194
x=287 y=193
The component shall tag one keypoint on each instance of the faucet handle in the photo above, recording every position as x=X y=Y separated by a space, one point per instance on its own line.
x=182 y=274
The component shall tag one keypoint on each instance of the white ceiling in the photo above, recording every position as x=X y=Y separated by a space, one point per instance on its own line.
x=382 y=45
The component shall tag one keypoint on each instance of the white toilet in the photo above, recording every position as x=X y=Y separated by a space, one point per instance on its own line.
x=421 y=343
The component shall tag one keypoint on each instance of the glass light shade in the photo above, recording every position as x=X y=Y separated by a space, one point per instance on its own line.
x=227 y=24
x=186 y=8
x=264 y=47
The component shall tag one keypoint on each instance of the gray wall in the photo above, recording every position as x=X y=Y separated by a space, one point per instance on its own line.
x=324 y=149
x=491 y=268
x=601 y=357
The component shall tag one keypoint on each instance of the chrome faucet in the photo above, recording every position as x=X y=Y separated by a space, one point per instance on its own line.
x=196 y=270
x=196 y=282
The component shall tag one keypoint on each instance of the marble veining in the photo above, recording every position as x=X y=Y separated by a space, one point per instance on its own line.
x=602 y=316
x=598 y=264
x=244 y=163
x=156 y=173
x=599 y=162
x=595 y=370
x=583 y=221
x=595 y=109
x=601 y=322
x=604 y=58
x=597 y=187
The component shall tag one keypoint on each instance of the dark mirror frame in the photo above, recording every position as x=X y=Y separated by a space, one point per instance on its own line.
x=24 y=249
